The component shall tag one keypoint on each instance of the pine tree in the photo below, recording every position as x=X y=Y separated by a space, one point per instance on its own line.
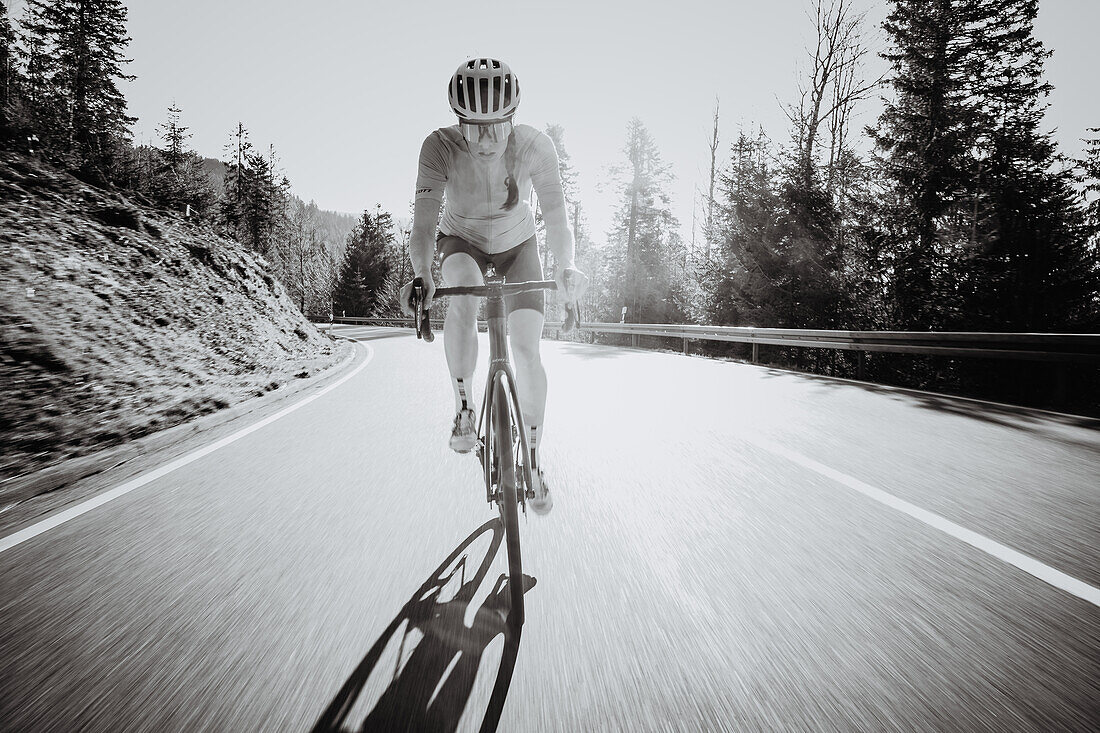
x=178 y=179
x=174 y=136
x=235 y=185
x=1090 y=168
x=305 y=259
x=366 y=270
x=988 y=235
x=262 y=205
x=565 y=162
x=776 y=262
x=1031 y=269
x=925 y=135
x=1090 y=173
x=75 y=55
x=650 y=278
x=8 y=78
x=42 y=113
x=745 y=277
x=255 y=206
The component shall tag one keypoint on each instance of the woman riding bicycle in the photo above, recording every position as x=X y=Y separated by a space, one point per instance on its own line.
x=486 y=166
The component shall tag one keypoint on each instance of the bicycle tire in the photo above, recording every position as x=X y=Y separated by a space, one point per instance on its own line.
x=507 y=499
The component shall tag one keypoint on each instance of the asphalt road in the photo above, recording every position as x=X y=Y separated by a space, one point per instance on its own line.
x=731 y=548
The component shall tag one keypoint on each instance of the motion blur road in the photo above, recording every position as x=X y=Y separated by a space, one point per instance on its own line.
x=731 y=548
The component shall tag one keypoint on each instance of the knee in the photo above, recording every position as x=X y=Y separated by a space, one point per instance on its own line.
x=462 y=309
x=526 y=354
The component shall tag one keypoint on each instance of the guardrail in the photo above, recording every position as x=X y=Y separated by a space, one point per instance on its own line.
x=1057 y=347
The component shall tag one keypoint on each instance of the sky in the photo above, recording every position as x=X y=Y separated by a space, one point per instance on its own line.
x=346 y=90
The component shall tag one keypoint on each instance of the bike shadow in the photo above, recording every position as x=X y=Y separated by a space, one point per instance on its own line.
x=430 y=685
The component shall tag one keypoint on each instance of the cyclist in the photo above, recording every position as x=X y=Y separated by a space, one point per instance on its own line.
x=485 y=166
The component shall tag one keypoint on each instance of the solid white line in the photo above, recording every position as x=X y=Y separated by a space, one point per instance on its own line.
x=1028 y=564
x=6 y=543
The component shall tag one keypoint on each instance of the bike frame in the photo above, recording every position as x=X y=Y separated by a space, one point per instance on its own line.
x=501 y=374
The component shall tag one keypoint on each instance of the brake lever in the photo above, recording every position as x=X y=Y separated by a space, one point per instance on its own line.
x=572 y=308
x=422 y=319
x=572 y=318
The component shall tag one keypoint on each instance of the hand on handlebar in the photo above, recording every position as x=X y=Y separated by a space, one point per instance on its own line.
x=416 y=299
x=571 y=284
x=408 y=306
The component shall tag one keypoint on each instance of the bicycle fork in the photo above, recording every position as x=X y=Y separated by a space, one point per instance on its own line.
x=485 y=445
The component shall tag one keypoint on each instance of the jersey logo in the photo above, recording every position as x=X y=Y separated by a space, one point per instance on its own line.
x=423 y=190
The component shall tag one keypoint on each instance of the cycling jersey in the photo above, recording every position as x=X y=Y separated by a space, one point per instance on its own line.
x=476 y=192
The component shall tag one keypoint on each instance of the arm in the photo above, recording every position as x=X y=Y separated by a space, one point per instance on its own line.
x=431 y=179
x=558 y=236
x=422 y=238
x=546 y=179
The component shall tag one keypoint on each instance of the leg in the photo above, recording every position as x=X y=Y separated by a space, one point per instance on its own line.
x=524 y=334
x=460 y=326
x=525 y=318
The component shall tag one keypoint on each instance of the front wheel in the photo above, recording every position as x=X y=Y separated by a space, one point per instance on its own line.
x=507 y=500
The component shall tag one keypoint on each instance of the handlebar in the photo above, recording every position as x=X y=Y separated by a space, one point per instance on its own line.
x=422 y=319
x=504 y=289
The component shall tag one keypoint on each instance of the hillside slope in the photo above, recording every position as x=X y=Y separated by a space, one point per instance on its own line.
x=117 y=320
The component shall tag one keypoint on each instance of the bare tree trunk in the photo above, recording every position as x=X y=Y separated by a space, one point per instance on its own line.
x=834 y=82
x=631 y=266
x=576 y=228
x=713 y=174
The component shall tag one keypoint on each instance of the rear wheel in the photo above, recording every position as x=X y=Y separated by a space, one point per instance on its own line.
x=507 y=500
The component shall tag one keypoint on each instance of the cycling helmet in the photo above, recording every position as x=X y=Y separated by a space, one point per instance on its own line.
x=483 y=90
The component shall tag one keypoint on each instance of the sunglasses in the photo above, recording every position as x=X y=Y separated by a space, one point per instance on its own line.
x=493 y=132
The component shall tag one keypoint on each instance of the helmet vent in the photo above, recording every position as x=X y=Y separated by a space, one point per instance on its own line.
x=460 y=92
x=484 y=95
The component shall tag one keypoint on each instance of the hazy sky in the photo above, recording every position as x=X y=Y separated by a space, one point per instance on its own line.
x=347 y=89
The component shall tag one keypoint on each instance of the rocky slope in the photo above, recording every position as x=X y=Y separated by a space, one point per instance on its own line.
x=118 y=320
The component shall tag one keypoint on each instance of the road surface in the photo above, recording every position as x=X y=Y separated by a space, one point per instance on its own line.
x=732 y=548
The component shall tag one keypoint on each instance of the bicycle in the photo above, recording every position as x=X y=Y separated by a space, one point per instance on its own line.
x=501 y=445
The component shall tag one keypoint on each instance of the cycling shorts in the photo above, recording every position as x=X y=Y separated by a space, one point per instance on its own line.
x=518 y=264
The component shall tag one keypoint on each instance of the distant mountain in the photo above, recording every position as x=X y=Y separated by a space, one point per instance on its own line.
x=334 y=225
x=216 y=169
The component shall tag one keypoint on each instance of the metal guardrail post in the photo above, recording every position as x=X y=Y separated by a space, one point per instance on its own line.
x=859 y=364
x=755 y=352
x=634 y=340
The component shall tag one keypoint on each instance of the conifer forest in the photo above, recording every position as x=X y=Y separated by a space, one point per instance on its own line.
x=954 y=210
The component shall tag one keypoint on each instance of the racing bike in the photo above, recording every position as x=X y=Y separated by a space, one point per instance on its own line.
x=501 y=445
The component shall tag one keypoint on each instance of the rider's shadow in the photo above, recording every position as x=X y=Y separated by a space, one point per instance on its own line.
x=431 y=680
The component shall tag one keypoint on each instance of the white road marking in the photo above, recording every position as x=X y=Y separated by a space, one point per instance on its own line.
x=6 y=543
x=1004 y=553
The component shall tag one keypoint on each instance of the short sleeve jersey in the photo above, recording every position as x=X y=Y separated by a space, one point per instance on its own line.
x=476 y=192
